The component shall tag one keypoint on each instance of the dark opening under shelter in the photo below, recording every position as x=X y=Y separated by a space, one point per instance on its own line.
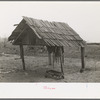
x=54 y=35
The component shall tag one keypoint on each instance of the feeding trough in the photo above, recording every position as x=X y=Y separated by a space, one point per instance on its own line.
x=54 y=74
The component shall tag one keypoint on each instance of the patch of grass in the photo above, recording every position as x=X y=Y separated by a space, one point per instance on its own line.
x=91 y=51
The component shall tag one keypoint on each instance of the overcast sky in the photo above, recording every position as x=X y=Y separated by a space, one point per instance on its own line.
x=83 y=17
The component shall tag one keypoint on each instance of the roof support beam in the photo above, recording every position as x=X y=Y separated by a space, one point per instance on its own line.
x=82 y=59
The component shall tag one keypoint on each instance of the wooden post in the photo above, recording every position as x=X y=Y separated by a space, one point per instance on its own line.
x=22 y=56
x=82 y=59
x=61 y=65
x=61 y=60
x=20 y=52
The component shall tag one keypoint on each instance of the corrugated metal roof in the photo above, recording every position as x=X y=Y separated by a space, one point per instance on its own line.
x=53 y=33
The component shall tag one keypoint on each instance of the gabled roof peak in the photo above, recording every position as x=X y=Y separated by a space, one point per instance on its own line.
x=53 y=33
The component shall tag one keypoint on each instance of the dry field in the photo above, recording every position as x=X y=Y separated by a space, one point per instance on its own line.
x=36 y=66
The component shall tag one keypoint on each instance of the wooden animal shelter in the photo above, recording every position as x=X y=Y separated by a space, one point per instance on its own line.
x=54 y=35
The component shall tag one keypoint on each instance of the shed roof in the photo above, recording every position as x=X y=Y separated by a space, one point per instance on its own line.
x=52 y=33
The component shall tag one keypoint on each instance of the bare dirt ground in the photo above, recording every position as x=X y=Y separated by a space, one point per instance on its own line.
x=11 y=69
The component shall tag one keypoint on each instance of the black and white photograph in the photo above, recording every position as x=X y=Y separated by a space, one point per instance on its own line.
x=50 y=42
x=50 y=46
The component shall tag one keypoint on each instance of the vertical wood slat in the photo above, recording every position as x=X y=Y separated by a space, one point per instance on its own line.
x=53 y=59
x=22 y=56
x=82 y=59
x=49 y=57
